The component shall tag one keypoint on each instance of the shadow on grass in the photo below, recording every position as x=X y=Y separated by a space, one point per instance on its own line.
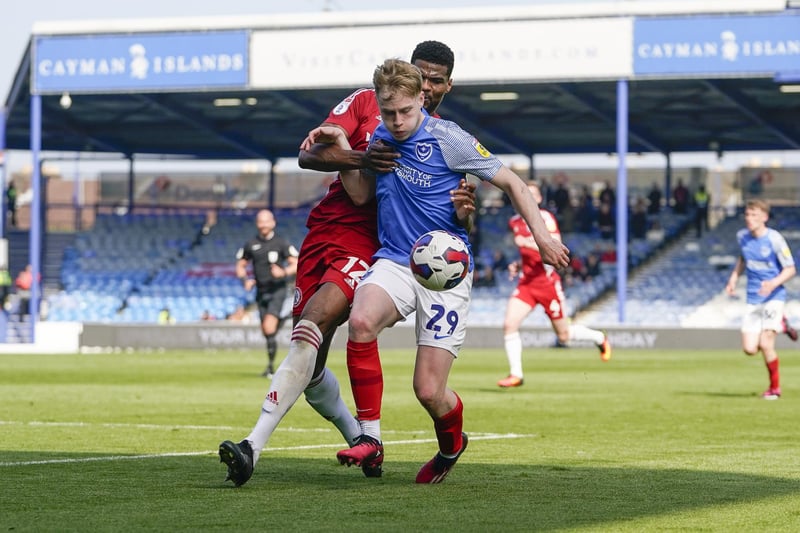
x=288 y=494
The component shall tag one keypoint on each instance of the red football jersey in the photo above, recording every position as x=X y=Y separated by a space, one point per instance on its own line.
x=359 y=115
x=532 y=265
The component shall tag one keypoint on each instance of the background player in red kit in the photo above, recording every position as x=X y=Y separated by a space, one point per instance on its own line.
x=336 y=251
x=539 y=284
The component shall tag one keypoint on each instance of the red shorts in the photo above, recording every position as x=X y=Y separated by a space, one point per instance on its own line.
x=331 y=254
x=543 y=291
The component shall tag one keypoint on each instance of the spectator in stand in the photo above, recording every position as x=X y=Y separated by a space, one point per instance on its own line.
x=5 y=287
x=606 y=221
x=11 y=202
x=165 y=317
x=638 y=224
x=23 y=284
x=548 y=199
x=499 y=262
x=586 y=217
x=592 y=264
x=680 y=195
x=654 y=200
x=608 y=196
x=701 y=201
x=561 y=197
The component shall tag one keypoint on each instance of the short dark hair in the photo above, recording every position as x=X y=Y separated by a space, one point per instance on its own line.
x=435 y=52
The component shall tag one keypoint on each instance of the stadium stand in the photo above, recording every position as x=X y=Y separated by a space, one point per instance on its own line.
x=129 y=268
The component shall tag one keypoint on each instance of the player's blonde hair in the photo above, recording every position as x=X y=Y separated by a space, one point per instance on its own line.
x=394 y=77
x=758 y=204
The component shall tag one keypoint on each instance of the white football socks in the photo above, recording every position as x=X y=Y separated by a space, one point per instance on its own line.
x=371 y=428
x=325 y=397
x=577 y=332
x=287 y=384
x=513 y=345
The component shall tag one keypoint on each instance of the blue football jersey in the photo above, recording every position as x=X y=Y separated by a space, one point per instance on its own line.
x=415 y=197
x=764 y=258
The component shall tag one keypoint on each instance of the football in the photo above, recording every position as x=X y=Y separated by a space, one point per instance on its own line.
x=439 y=260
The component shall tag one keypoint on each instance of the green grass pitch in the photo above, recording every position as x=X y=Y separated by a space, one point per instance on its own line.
x=651 y=441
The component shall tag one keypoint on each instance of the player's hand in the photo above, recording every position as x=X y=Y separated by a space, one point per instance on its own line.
x=463 y=199
x=323 y=134
x=277 y=271
x=766 y=288
x=380 y=158
x=513 y=270
x=553 y=252
x=249 y=284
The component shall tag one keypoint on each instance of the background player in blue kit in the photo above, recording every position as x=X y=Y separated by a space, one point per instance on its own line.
x=768 y=261
x=414 y=198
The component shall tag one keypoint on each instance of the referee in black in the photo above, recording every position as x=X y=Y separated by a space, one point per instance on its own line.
x=274 y=260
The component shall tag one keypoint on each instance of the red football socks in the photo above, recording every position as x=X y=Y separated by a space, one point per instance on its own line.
x=774 y=374
x=366 y=378
x=448 y=429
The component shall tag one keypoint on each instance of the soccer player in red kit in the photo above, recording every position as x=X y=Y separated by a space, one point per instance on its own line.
x=539 y=284
x=336 y=251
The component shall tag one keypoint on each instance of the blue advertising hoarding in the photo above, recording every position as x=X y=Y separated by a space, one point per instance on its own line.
x=757 y=45
x=140 y=62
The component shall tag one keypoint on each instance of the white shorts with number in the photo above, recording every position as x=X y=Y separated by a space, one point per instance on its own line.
x=441 y=318
x=766 y=316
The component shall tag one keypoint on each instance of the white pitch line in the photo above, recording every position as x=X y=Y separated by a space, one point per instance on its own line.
x=161 y=427
x=472 y=437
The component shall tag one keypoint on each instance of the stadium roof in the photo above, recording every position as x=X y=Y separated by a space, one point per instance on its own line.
x=666 y=113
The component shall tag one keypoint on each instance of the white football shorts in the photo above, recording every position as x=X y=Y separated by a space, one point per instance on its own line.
x=764 y=316
x=441 y=318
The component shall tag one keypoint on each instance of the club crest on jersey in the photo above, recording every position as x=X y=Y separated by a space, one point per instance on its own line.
x=480 y=149
x=298 y=297
x=423 y=151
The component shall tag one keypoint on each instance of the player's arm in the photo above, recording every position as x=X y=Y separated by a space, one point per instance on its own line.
x=241 y=272
x=359 y=184
x=769 y=285
x=329 y=157
x=316 y=154
x=241 y=268
x=738 y=268
x=553 y=252
x=284 y=271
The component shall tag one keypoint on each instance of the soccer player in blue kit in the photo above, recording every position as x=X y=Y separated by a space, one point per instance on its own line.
x=769 y=263
x=414 y=198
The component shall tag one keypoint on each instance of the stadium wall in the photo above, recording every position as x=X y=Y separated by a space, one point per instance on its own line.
x=225 y=336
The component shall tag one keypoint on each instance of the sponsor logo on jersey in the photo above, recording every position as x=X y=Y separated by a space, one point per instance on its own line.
x=342 y=107
x=480 y=149
x=272 y=256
